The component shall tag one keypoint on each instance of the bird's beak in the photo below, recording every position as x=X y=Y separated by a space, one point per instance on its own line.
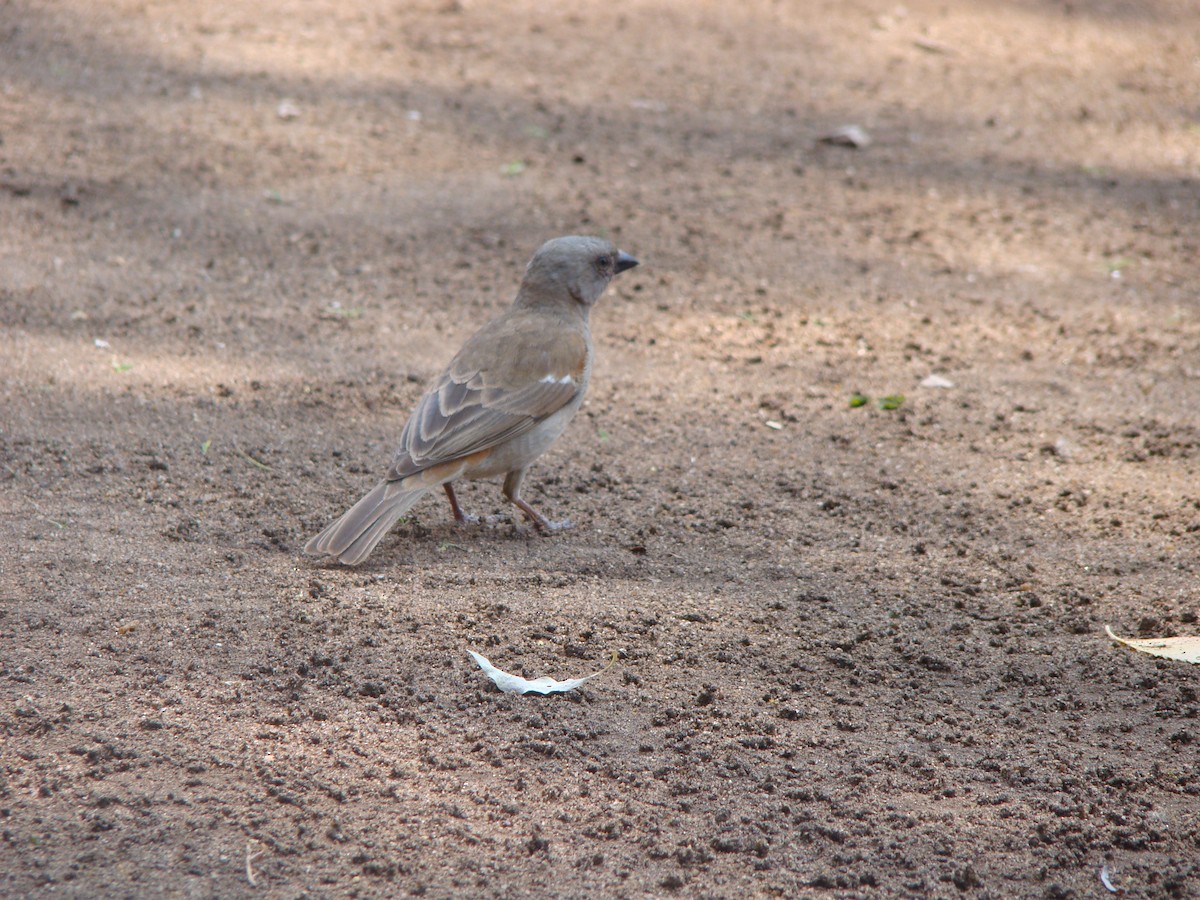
x=624 y=261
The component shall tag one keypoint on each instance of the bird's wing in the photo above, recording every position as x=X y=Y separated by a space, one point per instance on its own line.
x=499 y=387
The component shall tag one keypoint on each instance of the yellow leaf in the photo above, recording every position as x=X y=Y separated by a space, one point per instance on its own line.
x=1184 y=649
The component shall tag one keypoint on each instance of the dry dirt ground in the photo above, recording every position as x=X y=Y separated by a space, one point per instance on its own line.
x=861 y=649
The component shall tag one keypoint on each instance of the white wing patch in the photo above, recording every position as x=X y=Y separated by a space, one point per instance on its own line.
x=550 y=379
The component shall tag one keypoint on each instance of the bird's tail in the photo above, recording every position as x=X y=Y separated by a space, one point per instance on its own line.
x=352 y=537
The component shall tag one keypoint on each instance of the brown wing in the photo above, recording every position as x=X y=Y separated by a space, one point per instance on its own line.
x=505 y=380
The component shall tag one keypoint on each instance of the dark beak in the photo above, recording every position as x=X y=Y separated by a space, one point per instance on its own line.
x=624 y=261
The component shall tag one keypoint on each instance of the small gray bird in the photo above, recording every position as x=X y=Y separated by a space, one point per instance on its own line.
x=502 y=401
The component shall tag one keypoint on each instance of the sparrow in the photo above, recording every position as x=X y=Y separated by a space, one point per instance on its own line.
x=502 y=401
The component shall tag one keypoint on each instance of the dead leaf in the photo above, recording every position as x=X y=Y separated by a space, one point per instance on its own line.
x=515 y=684
x=1184 y=649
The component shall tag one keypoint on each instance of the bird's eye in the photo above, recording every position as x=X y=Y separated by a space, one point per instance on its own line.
x=604 y=263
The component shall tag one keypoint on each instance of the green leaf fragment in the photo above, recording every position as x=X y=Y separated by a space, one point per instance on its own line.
x=257 y=463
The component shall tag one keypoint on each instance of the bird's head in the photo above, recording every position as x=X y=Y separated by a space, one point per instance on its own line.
x=580 y=267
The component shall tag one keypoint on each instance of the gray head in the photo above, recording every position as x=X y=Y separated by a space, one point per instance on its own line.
x=582 y=266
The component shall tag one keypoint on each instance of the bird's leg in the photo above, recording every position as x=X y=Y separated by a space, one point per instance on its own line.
x=459 y=516
x=512 y=491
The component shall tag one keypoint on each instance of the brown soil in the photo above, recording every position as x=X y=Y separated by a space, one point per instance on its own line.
x=862 y=650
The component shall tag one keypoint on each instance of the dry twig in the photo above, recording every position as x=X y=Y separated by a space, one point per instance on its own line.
x=251 y=856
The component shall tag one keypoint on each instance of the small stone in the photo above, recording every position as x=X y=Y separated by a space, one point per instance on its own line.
x=854 y=136
x=936 y=381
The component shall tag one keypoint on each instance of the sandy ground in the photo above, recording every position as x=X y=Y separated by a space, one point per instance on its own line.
x=861 y=649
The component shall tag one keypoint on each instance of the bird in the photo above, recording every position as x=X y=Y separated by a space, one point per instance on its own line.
x=505 y=397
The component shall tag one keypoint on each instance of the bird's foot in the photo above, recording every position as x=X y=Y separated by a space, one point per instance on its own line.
x=537 y=518
x=541 y=525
